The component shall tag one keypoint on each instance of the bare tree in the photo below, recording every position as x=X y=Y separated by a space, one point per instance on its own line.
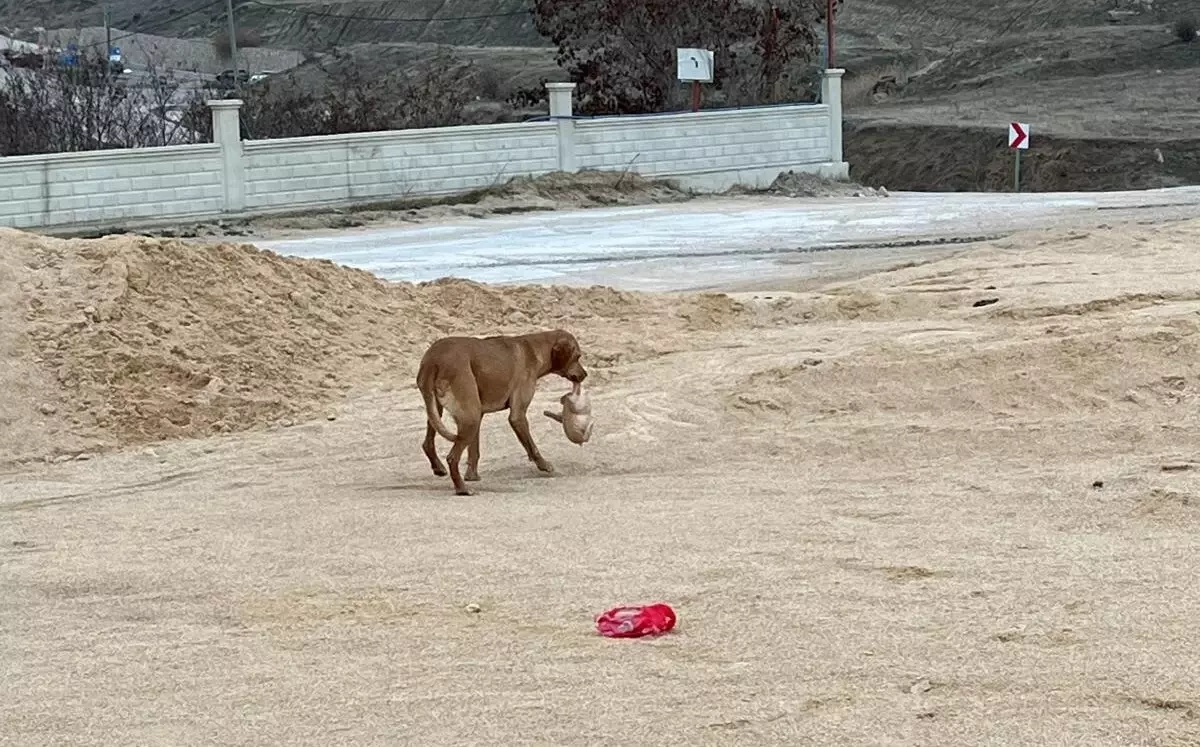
x=346 y=99
x=89 y=106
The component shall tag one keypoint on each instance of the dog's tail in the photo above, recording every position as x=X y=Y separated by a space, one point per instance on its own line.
x=431 y=413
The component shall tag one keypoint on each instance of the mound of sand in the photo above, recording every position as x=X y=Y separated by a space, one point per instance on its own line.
x=1040 y=327
x=523 y=194
x=803 y=184
x=126 y=340
x=585 y=188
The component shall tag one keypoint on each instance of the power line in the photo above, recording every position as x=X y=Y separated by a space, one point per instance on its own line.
x=380 y=19
x=150 y=30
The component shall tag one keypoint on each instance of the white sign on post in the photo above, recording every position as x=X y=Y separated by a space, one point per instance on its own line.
x=694 y=65
x=1018 y=135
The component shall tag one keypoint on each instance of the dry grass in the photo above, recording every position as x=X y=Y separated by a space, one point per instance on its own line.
x=883 y=514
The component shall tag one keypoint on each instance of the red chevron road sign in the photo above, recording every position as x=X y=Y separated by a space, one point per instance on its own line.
x=1018 y=136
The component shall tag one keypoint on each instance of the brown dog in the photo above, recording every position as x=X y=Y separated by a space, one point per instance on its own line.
x=472 y=376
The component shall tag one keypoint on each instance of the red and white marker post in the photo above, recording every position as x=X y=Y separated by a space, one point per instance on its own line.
x=1018 y=140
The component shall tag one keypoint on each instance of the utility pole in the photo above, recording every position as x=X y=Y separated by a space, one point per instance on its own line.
x=107 y=43
x=43 y=45
x=233 y=50
x=829 y=34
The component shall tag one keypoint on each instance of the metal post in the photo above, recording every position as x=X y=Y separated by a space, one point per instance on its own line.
x=233 y=50
x=1017 y=172
x=695 y=95
x=829 y=35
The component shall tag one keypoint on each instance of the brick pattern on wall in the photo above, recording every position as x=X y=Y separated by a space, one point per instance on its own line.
x=690 y=143
x=311 y=171
x=182 y=182
x=107 y=186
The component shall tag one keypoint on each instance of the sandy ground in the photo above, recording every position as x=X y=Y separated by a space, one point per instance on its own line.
x=945 y=503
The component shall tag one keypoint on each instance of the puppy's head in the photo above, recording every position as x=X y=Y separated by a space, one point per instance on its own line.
x=564 y=357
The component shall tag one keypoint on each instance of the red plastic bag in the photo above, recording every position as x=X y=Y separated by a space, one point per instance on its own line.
x=635 y=622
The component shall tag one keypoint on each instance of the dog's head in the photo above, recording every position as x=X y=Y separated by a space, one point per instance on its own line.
x=564 y=357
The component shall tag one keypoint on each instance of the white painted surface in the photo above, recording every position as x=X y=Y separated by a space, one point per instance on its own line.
x=694 y=64
x=669 y=247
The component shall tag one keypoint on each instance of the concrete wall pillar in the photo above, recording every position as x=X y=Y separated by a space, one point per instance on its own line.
x=227 y=133
x=831 y=95
x=561 y=113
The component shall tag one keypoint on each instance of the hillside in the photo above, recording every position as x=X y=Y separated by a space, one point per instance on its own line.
x=298 y=25
x=929 y=89
x=888 y=26
x=1107 y=89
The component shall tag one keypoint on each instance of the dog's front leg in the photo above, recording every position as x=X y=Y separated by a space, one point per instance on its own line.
x=520 y=425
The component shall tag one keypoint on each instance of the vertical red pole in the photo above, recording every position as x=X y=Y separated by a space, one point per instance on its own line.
x=829 y=33
x=695 y=95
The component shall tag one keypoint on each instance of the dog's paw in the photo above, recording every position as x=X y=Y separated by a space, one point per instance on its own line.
x=464 y=491
x=471 y=477
x=440 y=471
x=546 y=467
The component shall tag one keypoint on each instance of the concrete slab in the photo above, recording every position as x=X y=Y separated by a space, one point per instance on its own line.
x=684 y=246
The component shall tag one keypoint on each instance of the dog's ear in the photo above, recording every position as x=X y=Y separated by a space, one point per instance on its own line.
x=564 y=350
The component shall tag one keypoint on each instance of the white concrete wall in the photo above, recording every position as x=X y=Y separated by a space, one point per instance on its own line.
x=110 y=186
x=308 y=171
x=709 y=149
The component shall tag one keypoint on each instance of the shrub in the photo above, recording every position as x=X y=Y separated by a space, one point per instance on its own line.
x=1185 y=30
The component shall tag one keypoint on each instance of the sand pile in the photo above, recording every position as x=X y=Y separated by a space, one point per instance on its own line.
x=585 y=188
x=126 y=340
x=971 y=376
x=1040 y=327
x=803 y=184
x=522 y=194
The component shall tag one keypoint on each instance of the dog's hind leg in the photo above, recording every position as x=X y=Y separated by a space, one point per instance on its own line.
x=467 y=412
x=430 y=448
x=467 y=431
x=473 y=459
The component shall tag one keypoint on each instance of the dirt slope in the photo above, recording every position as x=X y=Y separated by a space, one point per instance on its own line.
x=960 y=159
x=1099 y=96
x=298 y=25
x=879 y=24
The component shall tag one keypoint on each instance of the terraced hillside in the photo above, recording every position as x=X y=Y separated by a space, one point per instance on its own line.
x=930 y=87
